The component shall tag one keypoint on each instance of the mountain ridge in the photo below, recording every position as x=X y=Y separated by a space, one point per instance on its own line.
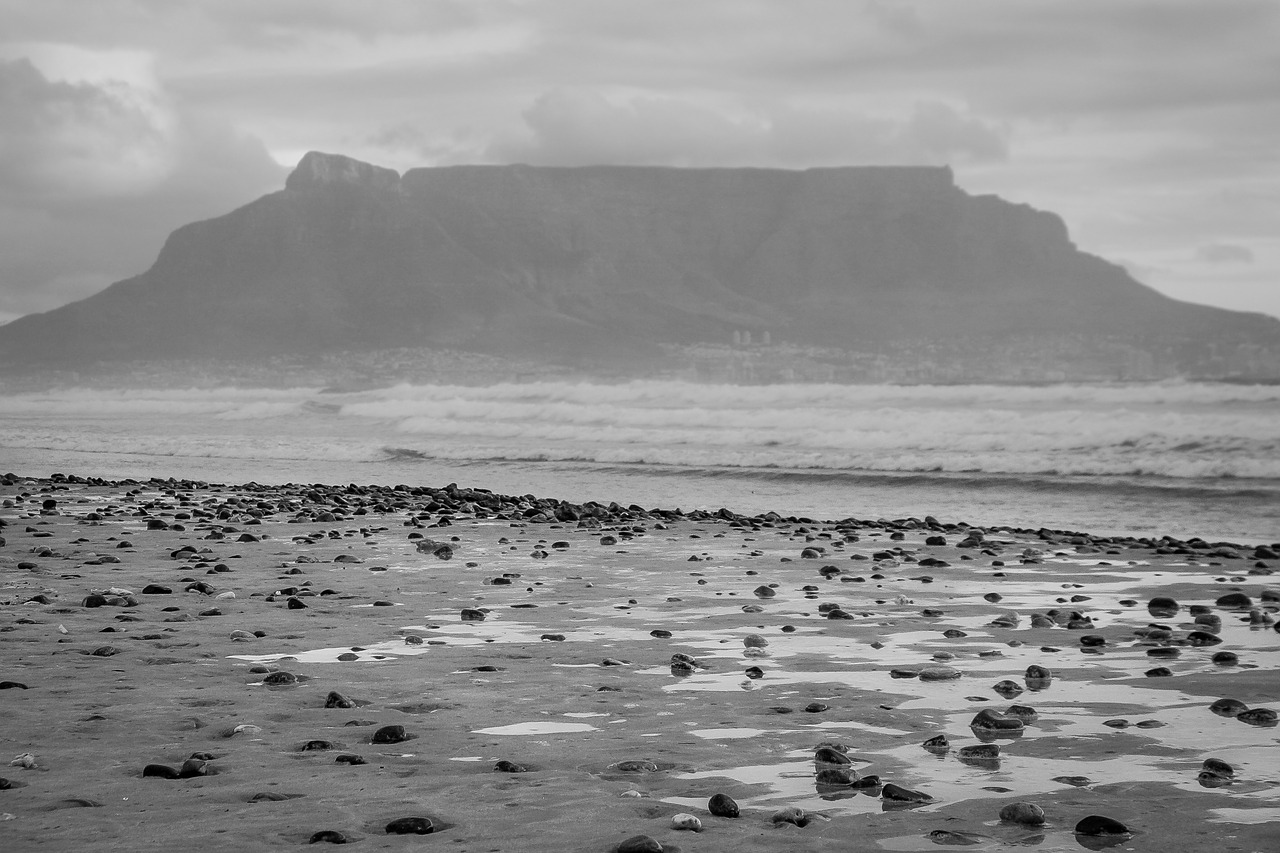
x=606 y=263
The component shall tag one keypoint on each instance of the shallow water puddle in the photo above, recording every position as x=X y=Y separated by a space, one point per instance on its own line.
x=733 y=734
x=1249 y=816
x=536 y=727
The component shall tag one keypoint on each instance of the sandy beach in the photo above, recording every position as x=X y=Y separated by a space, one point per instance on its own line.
x=263 y=667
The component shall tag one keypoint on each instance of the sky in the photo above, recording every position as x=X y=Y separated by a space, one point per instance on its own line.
x=1151 y=126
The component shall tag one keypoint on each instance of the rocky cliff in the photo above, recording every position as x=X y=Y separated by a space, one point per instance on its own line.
x=604 y=263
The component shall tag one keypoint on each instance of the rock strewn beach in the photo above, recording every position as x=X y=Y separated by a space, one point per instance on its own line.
x=262 y=667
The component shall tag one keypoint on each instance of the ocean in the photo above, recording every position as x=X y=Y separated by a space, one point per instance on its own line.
x=1138 y=459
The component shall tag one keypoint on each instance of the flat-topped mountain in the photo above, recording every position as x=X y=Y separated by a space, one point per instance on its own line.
x=607 y=262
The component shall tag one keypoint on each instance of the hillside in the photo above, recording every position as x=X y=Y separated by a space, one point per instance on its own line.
x=603 y=264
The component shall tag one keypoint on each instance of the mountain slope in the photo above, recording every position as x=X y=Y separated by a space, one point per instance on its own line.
x=605 y=262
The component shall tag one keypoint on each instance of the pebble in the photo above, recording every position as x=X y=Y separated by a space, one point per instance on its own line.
x=329 y=836
x=1258 y=717
x=897 y=793
x=937 y=743
x=1024 y=813
x=391 y=734
x=505 y=766
x=337 y=700
x=687 y=822
x=1228 y=707
x=1101 y=825
x=939 y=673
x=410 y=826
x=991 y=720
x=639 y=844
x=790 y=814
x=722 y=805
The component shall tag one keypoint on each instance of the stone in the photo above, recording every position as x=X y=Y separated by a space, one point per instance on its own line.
x=327 y=836
x=337 y=700
x=939 y=673
x=391 y=734
x=410 y=826
x=1025 y=813
x=161 y=771
x=937 y=744
x=830 y=755
x=790 y=814
x=722 y=805
x=1007 y=689
x=1258 y=717
x=993 y=721
x=686 y=822
x=1101 y=825
x=504 y=766
x=897 y=793
x=1228 y=707
x=984 y=751
x=639 y=844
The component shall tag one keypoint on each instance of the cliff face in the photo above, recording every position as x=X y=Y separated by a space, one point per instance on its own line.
x=596 y=262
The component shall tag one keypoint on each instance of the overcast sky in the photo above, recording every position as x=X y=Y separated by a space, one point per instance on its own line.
x=1151 y=126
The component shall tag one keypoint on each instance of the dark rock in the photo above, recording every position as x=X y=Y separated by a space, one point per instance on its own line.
x=328 y=836
x=937 y=744
x=1007 y=689
x=281 y=678
x=1101 y=825
x=897 y=793
x=639 y=844
x=161 y=771
x=1025 y=813
x=337 y=700
x=505 y=766
x=1228 y=707
x=1258 y=717
x=349 y=758
x=722 y=805
x=410 y=826
x=790 y=814
x=391 y=734
x=991 y=720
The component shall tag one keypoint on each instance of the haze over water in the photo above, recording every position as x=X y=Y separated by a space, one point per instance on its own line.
x=1181 y=459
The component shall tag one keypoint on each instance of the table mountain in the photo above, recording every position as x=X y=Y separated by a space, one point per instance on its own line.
x=604 y=263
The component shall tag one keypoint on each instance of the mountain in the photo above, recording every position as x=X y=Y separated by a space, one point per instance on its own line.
x=604 y=263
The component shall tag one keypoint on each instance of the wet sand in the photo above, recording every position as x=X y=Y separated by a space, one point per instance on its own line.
x=543 y=635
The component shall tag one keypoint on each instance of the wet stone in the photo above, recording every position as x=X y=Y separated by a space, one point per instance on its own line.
x=639 y=844
x=1259 y=717
x=1101 y=825
x=504 y=766
x=790 y=814
x=891 y=791
x=410 y=826
x=1228 y=707
x=722 y=805
x=1025 y=813
x=327 y=836
x=686 y=822
x=391 y=734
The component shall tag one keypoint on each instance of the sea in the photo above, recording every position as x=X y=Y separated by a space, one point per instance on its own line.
x=1180 y=459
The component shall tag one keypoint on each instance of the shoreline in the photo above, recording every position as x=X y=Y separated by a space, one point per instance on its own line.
x=536 y=634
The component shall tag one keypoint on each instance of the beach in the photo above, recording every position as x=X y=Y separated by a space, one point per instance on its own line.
x=257 y=667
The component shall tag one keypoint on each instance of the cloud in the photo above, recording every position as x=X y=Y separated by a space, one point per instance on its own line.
x=94 y=175
x=572 y=127
x=1225 y=253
